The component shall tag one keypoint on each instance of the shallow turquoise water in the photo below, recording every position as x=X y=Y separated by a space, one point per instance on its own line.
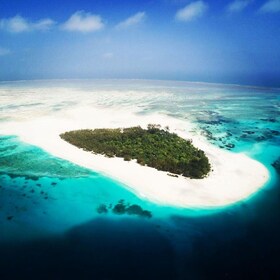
x=48 y=206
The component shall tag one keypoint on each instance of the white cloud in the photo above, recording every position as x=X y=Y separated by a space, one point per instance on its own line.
x=15 y=24
x=18 y=24
x=192 y=11
x=4 y=51
x=133 y=20
x=83 y=22
x=271 y=6
x=238 y=5
x=43 y=24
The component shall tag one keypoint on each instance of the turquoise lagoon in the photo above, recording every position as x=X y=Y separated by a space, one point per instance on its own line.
x=50 y=227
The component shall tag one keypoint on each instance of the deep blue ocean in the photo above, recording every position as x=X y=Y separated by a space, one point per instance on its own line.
x=52 y=219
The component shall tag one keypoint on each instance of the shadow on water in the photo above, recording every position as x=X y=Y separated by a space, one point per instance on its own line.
x=239 y=243
x=242 y=243
x=100 y=249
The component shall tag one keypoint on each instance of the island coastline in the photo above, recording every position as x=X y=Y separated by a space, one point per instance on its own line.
x=234 y=176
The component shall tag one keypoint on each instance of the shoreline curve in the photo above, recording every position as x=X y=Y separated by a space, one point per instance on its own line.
x=235 y=176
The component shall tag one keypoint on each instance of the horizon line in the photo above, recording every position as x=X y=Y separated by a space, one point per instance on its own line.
x=141 y=79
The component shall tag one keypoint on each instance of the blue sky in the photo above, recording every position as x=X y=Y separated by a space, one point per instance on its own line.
x=235 y=41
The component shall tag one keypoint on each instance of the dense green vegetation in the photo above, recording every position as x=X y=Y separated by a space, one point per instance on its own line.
x=154 y=147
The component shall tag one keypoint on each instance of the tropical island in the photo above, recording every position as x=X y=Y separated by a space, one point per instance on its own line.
x=233 y=176
x=154 y=147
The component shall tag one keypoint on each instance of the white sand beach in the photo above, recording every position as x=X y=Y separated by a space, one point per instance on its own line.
x=234 y=176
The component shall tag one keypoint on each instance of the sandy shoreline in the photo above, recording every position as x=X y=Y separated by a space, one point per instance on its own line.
x=234 y=176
